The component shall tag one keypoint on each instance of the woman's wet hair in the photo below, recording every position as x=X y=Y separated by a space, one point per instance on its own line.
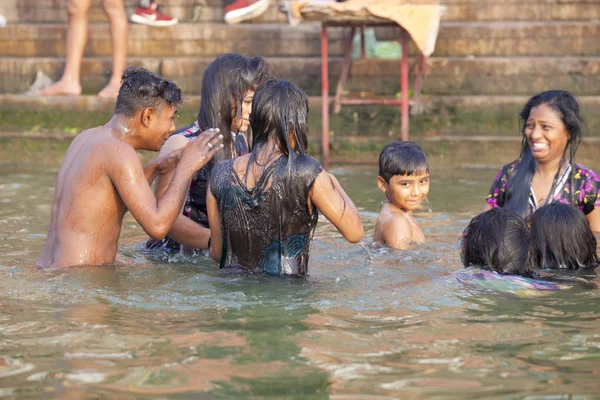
x=567 y=108
x=142 y=89
x=402 y=158
x=561 y=237
x=224 y=85
x=278 y=110
x=498 y=240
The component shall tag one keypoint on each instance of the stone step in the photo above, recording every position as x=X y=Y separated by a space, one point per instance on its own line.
x=212 y=10
x=49 y=40
x=446 y=75
x=91 y=103
x=455 y=39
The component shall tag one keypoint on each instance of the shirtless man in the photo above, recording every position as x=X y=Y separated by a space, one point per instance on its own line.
x=102 y=176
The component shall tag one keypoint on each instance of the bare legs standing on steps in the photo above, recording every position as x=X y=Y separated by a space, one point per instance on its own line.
x=69 y=84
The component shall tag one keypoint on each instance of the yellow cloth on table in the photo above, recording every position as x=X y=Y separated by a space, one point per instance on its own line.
x=421 y=20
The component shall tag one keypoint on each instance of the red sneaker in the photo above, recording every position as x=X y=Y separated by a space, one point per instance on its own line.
x=242 y=10
x=152 y=16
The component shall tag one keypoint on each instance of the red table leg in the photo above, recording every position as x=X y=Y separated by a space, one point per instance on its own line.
x=325 y=98
x=418 y=83
x=404 y=85
x=337 y=105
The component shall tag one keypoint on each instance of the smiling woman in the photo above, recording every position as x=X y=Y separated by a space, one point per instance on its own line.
x=546 y=170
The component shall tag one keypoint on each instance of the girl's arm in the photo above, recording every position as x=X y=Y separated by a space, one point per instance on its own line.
x=331 y=200
x=214 y=221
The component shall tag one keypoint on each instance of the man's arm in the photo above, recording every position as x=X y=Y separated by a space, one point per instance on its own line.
x=184 y=230
x=127 y=175
x=331 y=200
x=162 y=165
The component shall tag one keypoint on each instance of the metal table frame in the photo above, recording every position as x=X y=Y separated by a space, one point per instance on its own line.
x=339 y=101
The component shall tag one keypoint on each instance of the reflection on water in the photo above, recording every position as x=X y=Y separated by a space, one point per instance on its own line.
x=368 y=323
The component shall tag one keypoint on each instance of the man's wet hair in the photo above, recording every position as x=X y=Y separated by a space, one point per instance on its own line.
x=402 y=158
x=497 y=240
x=142 y=89
x=561 y=237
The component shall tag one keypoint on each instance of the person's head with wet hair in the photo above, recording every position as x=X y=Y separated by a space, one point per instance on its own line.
x=228 y=85
x=497 y=240
x=148 y=104
x=402 y=158
x=556 y=113
x=141 y=89
x=561 y=238
x=280 y=113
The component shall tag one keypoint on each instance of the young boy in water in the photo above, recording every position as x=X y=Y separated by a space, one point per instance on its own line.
x=404 y=178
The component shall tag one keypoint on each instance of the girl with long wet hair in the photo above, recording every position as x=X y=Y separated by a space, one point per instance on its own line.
x=263 y=207
x=228 y=87
x=561 y=238
x=546 y=170
x=497 y=240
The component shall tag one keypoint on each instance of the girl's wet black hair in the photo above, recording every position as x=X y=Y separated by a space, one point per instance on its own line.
x=278 y=109
x=561 y=238
x=402 y=158
x=280 y=113
x=224 y=84
x=567 y=108
x=499 y=240
x=142 y=89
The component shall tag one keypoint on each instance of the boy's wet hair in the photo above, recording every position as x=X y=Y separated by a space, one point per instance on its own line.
x=402 y=158
x=226 y=80
x=142 y=89
x=498 y=240
x=561 y=238
x=567 y=108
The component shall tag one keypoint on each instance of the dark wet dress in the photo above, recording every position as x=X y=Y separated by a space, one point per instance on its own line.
x=195 y=203
x=267 y=228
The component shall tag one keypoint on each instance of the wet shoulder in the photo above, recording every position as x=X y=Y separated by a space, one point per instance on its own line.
x=307 y=167
x=508 y=169
x=220 y=174
x=581 y=172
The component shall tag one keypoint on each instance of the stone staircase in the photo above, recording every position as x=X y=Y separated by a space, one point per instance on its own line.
x=485 y=47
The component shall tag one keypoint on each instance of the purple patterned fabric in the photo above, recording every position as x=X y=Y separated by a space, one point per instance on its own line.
x=586 y=182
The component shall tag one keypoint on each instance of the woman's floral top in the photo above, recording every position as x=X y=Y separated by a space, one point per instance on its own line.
x=586 y=182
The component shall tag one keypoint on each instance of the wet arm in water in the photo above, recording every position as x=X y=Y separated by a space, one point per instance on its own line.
x=214 y=221
x=594 y=220
x=184 y=231
x=157 y=215
x=333 y=202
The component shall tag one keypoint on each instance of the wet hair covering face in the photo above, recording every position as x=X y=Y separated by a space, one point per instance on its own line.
x=224 y=84
x=402 y=158
x=567 y=108
x=561 y=238
x=142 y=89
x=267 y=225
x=499 y=240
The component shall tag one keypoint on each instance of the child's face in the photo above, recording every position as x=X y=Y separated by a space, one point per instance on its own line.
x=406 y=192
